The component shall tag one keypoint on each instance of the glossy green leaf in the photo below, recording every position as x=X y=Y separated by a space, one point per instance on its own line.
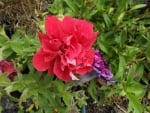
x=92 y=90
x=139 y=72
x=60 y=86
x=134 y=104
x=102 y=44
x=17 y=46
x=131 y=73
x=120 y=18
x=121 y=67
x=71 y=4
x=4 y=81
x=107 y=21
x=138 y=6
x=67 y=98
x=137 y=89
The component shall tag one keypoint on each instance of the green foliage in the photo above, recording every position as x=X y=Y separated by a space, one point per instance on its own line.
x=123 y=38
x=45 y=94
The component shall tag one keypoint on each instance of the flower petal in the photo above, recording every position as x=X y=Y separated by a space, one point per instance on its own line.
x=73 y=77
x=85 y=32
x=52 y=26
x=42 y=36
x=68 y=25
x=84 y=70
x=66 y=47
x=61 y=74
x=49 y=44
x=101 y=67
x=51 y=67
x=8 y=67
x=39 y=61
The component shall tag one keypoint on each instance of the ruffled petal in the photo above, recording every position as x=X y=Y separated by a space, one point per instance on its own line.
x=38 y=61
x=101 y=67
x=51 y=67
x=7 y=67
x=61 y=74
x=42 y=36
x=53 y=26
x=73 y=77
x=84 y=69
x=85 y=34
x=66 y=47
x=68 y=25
x=49 y=44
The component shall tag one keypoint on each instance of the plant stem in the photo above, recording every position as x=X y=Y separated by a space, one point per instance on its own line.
x=42 y=77
x=83 y=109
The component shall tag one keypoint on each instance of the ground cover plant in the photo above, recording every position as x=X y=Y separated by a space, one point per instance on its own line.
x=108 y=43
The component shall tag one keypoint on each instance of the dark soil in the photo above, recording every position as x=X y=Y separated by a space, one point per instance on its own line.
x=8 y=105
x=119 y=105
x=21 y=13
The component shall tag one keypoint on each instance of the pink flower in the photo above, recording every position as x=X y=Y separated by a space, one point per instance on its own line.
x=8 y=67
x=66 y=48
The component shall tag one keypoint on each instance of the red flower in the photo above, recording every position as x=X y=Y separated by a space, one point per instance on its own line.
x=66 y=47
x=7 y=67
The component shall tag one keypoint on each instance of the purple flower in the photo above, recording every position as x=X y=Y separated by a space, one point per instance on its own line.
x=101 y=67
x=100 y=70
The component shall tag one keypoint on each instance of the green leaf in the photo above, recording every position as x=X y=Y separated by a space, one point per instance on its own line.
x=2 y=40
x=1 y=108
x=92 y=90
x=24 y=94
x=121 y=9
x=6 y=52
x=148 y=50
x=131 y=73
x=80 y=97
x=42 y=102
x=107 y=21
x=121 y=38
x=102 y=45
x=138 y=6
x=1 y=56
x=67 y=98
x=60 y=86
x=134 y=104
x=3 y=36
x=121 y=67
x=72 y=5
x=56 y=7
x=139 y=72
x=17 y=46
x=17 y=85
x=137 y=89
x=4 y=81
x=131 y=51
x=120 y=18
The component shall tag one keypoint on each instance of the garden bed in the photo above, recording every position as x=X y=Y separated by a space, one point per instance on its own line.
x=23 y=16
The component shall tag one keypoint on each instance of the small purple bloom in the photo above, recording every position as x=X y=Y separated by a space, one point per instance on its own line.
x=101 y=67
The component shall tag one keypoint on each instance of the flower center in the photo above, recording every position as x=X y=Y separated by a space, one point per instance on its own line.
x=63 y=48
